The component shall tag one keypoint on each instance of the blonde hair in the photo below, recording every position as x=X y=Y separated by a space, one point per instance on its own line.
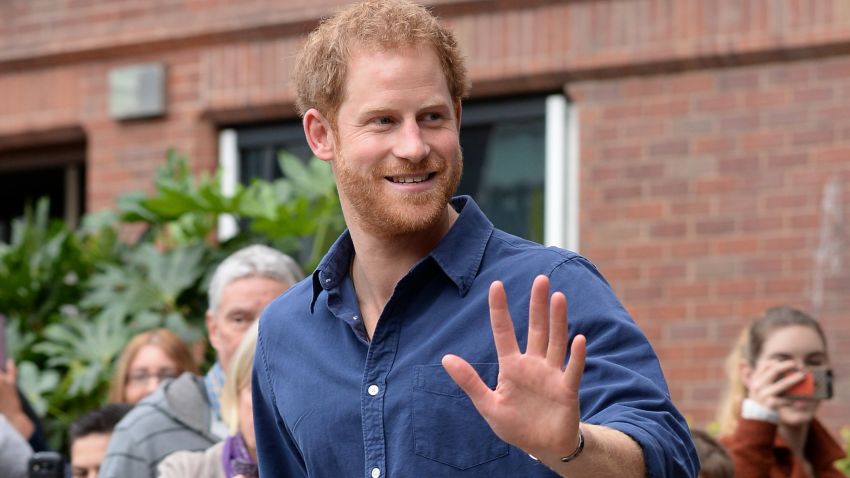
x=322 y=64
x=238 y=377
x=167 y=341
x=747 y=348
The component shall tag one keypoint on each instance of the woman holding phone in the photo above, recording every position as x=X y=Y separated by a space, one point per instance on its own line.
x=779 y=374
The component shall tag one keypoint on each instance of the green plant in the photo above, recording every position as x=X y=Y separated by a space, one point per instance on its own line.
x=74 y=297
x=843 y=464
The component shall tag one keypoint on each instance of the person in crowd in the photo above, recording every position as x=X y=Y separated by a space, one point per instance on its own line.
x=184 y=413
x=148 y=359
x=89 y=436
x=14 y=451
x=768 y=431
x=17 y=410
x=356 y=372
x=713 y=459
x=236 y=456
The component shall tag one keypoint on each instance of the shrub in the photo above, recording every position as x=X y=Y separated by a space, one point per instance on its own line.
x=74 y=297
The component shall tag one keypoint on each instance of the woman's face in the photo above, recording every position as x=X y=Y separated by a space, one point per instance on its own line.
x=804 y=347
x=147 y=370
x=246 y=420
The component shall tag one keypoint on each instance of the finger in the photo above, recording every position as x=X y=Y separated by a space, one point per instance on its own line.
x=538 y=317
x=575 y=366
x=466 y=378
x=557 y=330
x=500 y=321
x=785 y=382
x=11 y=371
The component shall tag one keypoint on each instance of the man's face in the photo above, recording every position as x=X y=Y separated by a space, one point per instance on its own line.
x=397 y=156
x=239 y=305
x=87 y=454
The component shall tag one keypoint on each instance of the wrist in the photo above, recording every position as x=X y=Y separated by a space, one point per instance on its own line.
x=558 y=455
x=579 y=448
x=22 y=423
x=752 y=410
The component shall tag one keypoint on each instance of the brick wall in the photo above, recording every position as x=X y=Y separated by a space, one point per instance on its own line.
x=704 y=203
x=711 y=132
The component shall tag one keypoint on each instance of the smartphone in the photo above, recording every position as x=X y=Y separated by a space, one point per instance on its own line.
x=2 y=343
x=816 y=385
x=46 y=464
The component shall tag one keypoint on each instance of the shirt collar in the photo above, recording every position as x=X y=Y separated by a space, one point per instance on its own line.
x=458 y=254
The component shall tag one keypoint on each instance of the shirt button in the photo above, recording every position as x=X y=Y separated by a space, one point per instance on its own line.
x=355 y=318
x=376 y=472
x=373 y=390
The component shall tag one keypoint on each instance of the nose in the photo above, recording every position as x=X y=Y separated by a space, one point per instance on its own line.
x=410 y=144
x=152 y=383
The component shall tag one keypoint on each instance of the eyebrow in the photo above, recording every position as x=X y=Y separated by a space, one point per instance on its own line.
x=369 y=111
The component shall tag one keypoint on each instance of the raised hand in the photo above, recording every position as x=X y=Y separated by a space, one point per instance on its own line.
x=769 y=379
x=535 y=405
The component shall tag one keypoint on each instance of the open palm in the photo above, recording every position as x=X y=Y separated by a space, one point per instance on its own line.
x=535 y=405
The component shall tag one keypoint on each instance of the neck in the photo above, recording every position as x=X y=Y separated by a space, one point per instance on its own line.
x=380 y=262
x=795 y=436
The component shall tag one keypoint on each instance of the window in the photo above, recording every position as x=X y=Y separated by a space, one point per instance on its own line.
x=517 y=163
x=27 y=174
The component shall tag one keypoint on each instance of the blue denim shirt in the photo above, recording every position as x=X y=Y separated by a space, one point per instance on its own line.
x=328 y=402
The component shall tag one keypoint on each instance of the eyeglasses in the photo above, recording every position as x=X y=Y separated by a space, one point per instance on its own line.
x=144 y=376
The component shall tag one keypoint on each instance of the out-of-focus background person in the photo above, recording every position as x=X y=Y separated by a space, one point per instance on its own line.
x=185 y=413
x=237 y=454
x=713 y=459
x=14 y=451
x=89 y=437
x=17 y=411
x=769 y=429
x=147 y=360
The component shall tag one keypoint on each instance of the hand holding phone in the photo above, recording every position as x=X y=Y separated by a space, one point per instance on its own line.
x=46 y=464
x=816 y=385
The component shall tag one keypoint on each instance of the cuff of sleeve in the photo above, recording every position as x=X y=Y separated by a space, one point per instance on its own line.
x=752 y=410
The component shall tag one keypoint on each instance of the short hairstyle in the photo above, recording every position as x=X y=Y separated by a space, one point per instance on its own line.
x=101 y=420
x=713 y=459
x=167 y=341
x=238 y=377
x=253 y=261
x=322 y=65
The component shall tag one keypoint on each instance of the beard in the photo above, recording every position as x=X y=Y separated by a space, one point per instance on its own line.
x=382 y=211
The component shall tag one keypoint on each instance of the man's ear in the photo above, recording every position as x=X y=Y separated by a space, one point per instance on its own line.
x=317 y=130
x=212 y=329
x=458 y=113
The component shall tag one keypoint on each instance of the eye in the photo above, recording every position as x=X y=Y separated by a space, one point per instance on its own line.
x=383 y=120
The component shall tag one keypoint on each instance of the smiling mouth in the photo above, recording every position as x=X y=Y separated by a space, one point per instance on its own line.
x=411 y=179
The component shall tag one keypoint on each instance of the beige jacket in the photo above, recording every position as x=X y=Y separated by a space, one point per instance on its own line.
x=197 y=464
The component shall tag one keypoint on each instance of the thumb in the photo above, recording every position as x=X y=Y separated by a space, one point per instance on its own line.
x=466 y=378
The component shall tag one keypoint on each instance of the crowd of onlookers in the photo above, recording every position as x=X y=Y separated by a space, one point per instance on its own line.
x=165 y=419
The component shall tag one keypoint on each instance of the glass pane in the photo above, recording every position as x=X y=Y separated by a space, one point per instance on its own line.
x=504 y=164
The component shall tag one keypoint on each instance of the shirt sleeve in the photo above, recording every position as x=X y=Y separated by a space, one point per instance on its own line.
x=277 y=453
x=623 y=386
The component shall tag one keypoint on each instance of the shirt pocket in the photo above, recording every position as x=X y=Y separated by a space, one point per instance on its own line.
x=446 y=426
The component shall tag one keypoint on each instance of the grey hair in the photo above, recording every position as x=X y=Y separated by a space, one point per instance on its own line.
x=253 y=261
